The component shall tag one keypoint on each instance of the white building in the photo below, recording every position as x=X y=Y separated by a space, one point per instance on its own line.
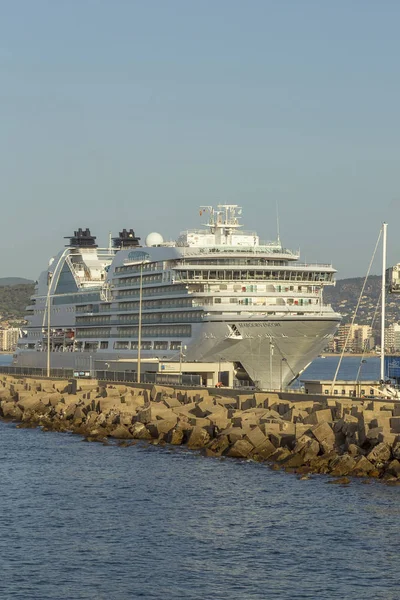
x=9 y=339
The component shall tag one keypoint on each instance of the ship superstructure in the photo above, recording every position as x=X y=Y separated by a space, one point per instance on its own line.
x=216 y=294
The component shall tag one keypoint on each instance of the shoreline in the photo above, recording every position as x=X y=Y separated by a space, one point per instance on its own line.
x=340 y=437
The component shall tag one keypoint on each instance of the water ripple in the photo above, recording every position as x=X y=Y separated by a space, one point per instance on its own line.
x=88 y=522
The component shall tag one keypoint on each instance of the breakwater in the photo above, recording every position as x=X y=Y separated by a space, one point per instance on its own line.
x=343 y=437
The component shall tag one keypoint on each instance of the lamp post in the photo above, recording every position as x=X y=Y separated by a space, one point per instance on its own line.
x=271 y=353
x=181 y=357
x=363 y=361
x=140 y=324
x=49 y=277
x=281 y=365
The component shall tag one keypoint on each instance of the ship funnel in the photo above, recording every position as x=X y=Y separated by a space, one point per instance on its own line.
x=126 y=239
x=82 y=238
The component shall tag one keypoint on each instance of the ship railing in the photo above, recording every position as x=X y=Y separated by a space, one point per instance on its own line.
x=264 y=248
x=36 y=372
x=184 y=379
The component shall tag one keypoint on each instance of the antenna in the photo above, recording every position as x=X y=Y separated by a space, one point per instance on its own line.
x=109 y=241
x=277 y=221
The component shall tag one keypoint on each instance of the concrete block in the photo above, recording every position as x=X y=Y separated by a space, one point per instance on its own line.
x=380 y=453
x=198 y=438
x=323 y=433
x=395 y=424
x=241 y=449
x=255 y=436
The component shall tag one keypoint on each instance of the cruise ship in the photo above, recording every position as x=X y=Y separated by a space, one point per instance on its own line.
x=215 y=294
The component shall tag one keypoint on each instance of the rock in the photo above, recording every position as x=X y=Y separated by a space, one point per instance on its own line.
x=164 y=426
x=393 y=468
x=160 y=391
x=341 y=481
x=343 y=465
x=28 y=401
x=140 y=432
x=255 y=436
x=9 y=410
x=319 y=416
x=396 y=450
x=310 y=450
x=145 y=415
x=321 y=464
x=379 y=454
x=264 y=450
x=79 y=415
x=176 y=436
x=234 y=434
x=198 y=438
x=348 y=425
x=280 y=454
x=323 y=433
x=241 y=449
x=301 y=442
x=363 y=467
x=171 y=402
x=354 y=450
x=293 y=461
x=219 y=445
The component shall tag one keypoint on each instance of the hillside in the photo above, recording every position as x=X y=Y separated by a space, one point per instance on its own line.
x=14 y=281
x=344 y=297
x=14 y=299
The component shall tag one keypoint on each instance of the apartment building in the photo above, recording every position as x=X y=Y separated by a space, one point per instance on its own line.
x=9 y=339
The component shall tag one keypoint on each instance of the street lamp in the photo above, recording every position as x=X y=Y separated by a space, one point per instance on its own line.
x=363 y=361
x=140 y=324
x=181 y=356
x=49 y=277
x=271 y=353
x=281 y=365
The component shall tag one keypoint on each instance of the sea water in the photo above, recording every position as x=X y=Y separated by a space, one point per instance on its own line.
x=86 y=521
x=82 y=521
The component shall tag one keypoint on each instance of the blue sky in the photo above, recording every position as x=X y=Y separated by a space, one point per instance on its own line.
x=133 y=113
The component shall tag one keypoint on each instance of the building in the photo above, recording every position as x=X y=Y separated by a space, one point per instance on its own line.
x=9 y=339
x=353 y=338
x=342 y=388
x=392 y=338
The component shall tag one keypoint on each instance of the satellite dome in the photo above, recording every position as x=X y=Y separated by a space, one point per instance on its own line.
x=154 y=239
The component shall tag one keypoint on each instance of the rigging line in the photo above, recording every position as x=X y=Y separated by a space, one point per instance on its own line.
x=282 y=356
x=355 y=312
x=277 y=222
x=366 y=341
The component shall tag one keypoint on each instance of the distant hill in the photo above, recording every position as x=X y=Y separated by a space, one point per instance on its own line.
x=14 y=281
x=14 y=299
x=344 y=297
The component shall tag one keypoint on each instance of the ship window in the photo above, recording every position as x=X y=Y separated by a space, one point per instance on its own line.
x=175 y=345
x=103 y=345
x=159 y=345
x=121 y=345
x=326 y=391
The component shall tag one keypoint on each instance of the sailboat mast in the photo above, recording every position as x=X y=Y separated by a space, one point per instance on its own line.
x=384 y=231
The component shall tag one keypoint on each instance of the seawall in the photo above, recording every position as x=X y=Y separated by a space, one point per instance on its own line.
x=343 y=437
